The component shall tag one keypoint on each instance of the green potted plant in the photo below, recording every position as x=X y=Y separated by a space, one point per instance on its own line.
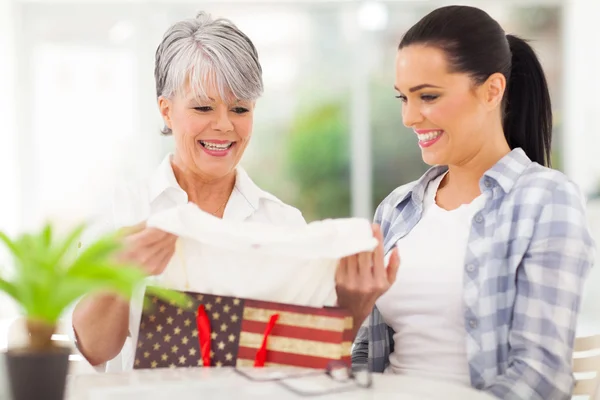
x=49 y=275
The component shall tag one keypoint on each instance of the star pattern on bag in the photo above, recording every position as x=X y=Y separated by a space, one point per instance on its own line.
x=169 y=335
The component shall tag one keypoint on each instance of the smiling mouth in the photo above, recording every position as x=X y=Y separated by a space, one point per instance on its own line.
x=222 y=146
x=429 y=136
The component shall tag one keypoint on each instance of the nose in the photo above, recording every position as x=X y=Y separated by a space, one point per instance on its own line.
x=411 y=115
x=222 y=122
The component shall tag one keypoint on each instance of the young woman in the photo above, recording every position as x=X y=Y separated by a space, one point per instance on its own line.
x=494 y=247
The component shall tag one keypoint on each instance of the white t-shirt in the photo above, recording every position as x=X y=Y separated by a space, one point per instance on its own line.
x=136 y=202
x=424 y=306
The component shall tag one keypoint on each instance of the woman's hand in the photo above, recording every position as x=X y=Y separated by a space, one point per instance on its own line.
x=362 y=278
x=150 y=248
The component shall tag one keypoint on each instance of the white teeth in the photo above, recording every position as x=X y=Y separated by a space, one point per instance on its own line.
x=424 y=137
x=216 y=146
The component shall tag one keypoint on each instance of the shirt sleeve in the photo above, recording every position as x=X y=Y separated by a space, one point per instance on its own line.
x=294 y=218
x=549 y=285
x=126 y=357
x=360 y=347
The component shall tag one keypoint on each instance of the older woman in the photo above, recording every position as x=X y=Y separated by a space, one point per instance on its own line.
x=208 y=78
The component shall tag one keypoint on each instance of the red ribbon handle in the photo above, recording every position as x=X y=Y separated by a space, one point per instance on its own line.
x=203 y=324
x=261 y=354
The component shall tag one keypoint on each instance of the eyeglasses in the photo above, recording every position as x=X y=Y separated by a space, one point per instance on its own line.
x=337 y=377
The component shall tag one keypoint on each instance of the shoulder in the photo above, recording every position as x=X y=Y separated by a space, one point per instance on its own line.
x=547 y=187
x=131 y=190
x=130 y=201
x=278 y=212
x=267 y=207
x=135 y=197
x=123 y=206
x=398 y=199
x=556 y=211
x=390 y=215
x=556 y=208
x=395 y=198
x=524 y=182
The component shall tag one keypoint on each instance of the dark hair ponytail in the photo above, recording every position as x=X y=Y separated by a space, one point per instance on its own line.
x=527 y=118
x=477 y=45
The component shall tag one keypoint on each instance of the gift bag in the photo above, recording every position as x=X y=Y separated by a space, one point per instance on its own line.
x=226 y=331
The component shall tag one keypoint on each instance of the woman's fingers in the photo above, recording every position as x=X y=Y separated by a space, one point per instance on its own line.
x=379 y=273
x=365 y=269
x=341 y=271
x=147 y=237
x=151 y=256
x=362 y=278
x=378 y=252
x=161 y=260
x=352 y=273
x=149 y=249
x=130 y=230
x=393 y=265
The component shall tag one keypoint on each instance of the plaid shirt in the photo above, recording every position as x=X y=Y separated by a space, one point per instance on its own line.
x=527 y=258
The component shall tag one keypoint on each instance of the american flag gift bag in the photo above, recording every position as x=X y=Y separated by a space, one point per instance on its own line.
x=215 y=331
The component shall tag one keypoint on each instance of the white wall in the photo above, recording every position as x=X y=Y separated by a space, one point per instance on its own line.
x=581 y=136
x=9 y=172
x=8 y=158
x=581 y=87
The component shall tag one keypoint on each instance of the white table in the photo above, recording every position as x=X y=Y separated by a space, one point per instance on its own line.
x=209 y=383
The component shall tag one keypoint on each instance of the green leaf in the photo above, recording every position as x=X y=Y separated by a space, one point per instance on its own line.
x=70 y=291
x=66 y=245
x=101 y=250
x=12 y=246
x=24 y=290
x=106 y=270
x=9 y=289
x=46 y=236
x=46 y=281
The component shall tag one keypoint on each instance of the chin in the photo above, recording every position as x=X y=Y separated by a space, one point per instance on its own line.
x=216 y=171
x=433 y=158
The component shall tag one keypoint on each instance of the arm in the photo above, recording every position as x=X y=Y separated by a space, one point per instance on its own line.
x=549 y=285
x=101 y=322
x=101 y=325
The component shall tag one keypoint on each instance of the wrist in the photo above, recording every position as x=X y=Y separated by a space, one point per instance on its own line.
x=359 y=318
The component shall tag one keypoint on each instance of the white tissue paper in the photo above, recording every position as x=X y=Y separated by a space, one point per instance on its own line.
x=259 y=261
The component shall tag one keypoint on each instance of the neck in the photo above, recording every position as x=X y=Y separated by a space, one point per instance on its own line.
x=464 y=177
x=210 y=194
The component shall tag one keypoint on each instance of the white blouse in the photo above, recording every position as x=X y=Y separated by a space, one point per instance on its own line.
x=136 y=202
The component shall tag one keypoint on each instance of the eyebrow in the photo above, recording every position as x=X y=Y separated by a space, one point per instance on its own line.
x=193 y=99
x=237 y=101
x=419 y=87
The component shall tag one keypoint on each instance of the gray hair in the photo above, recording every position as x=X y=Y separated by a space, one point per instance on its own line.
x=205 y=52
